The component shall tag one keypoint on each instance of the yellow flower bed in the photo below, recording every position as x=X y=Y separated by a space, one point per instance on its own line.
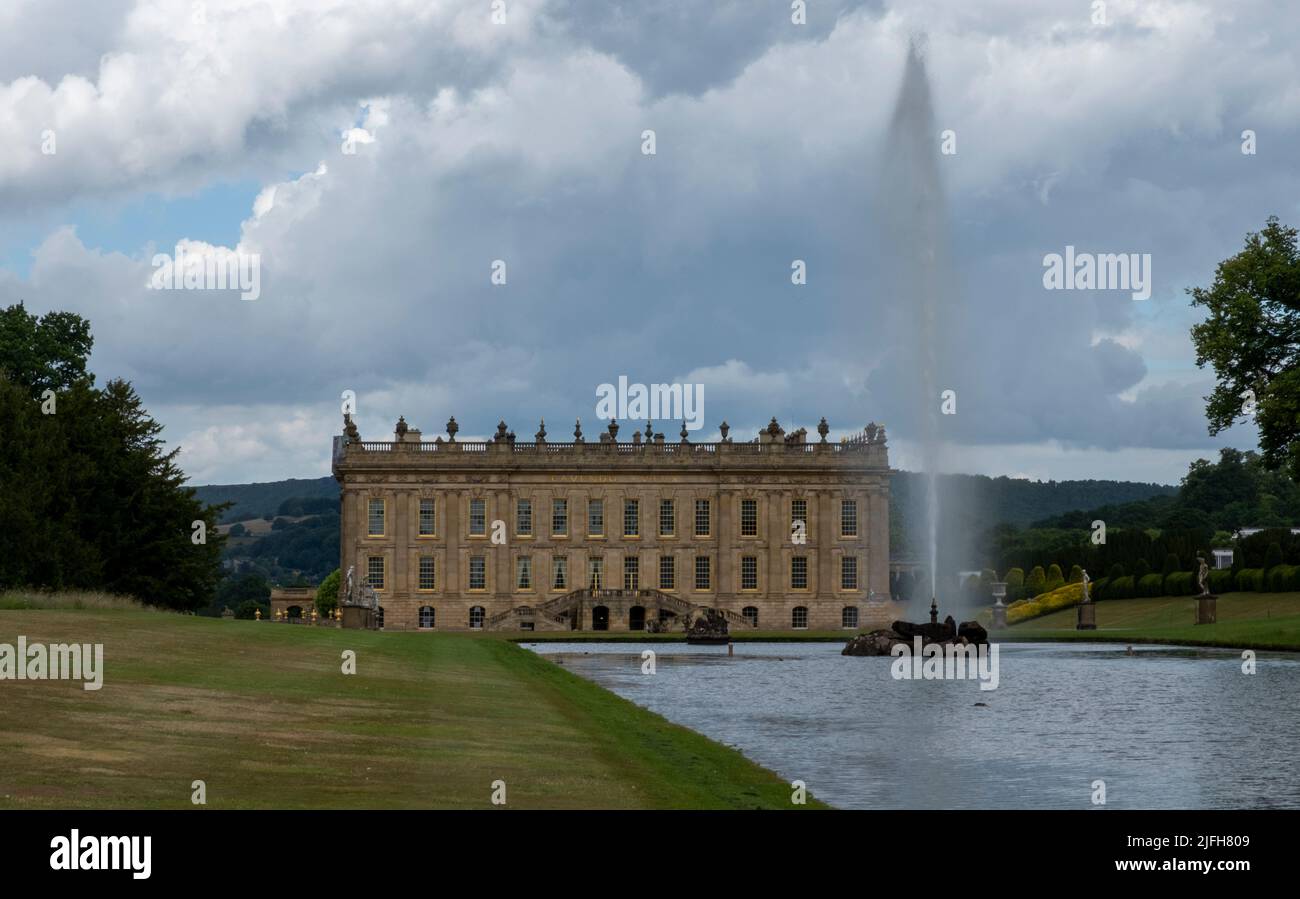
x=1061 y=598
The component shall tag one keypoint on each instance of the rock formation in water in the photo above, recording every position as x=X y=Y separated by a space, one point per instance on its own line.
x=882 y=642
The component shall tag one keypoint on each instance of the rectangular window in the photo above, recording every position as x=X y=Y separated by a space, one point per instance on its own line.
x=849 y=518
x=631 y=573
x=596 y=572
x=596 y=518
x=428 y=518
x=667 y=518
x=375 y=571
x=749 y=518
x=375 y=523
x=561 y=578
x=477 y=517
x=849 y=573
x=524 y=517
x=749 y=573
x=559 y=517
x=524 y=573
x=703 y=573
x=703 y=520
x=667 y=573
x=798 y=513
x=427 y=579
x=631 y=518
x=477 y=573
x=799 y=573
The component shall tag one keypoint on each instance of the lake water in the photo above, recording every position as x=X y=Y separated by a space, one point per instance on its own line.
x=1166 y=727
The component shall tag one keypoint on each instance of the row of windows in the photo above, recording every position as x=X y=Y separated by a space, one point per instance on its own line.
x=798 y=616
x=703 y=579
x=376 y=513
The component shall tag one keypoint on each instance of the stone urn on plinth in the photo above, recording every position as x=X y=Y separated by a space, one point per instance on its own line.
x=999 y=609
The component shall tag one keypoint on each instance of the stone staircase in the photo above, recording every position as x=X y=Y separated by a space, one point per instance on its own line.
x=557 y=613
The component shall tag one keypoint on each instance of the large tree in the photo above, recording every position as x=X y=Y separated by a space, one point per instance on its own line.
x=1252 y=339
x=89 y=498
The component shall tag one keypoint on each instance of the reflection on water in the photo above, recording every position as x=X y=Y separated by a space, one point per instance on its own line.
x=1165 y=727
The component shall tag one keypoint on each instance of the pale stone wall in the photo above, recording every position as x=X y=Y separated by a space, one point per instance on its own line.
x=502 y=472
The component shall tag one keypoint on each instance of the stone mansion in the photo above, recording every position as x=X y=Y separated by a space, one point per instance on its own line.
x=776 y=533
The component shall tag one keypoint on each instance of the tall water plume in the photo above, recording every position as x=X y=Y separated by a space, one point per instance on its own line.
x=914 y=213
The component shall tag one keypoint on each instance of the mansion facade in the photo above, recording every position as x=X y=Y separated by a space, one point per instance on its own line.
x=776 y=533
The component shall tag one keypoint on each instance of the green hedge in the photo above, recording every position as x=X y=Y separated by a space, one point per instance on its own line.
x=1181 y=583
x=1121 y=588
x=1222 y=581
x=1250 y=579
x=1151 y=585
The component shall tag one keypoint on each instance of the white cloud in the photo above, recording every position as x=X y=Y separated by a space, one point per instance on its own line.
x=522 y=142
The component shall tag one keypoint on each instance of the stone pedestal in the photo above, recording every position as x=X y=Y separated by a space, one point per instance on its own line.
x=999 y=618
x=1087 y=617
x=358 y=617
x=1207 y=609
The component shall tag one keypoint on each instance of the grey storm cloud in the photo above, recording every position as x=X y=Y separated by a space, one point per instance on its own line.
x=526 y=148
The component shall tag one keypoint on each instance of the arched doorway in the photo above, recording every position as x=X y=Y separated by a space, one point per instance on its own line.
x=600 y=618
x=636 y=618
x=294 y=612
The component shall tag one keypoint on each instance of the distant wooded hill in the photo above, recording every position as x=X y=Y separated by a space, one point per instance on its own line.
x=1016 y=501
x=260 y=500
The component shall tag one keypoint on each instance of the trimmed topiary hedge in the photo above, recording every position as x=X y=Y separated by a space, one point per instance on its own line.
x=1151 y=585
x=1222 y=581
x=1180 y=583
x=1121 y=588
x=1250 y=579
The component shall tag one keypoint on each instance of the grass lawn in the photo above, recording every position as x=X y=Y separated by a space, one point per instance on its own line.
x=263 y=715
x=1245 y=621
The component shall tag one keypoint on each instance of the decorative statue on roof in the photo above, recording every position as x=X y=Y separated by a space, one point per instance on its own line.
x=452 y=428
x=401 y=427
x=350 y=428
x=823 y=428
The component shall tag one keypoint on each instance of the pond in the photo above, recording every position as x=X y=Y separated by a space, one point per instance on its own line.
x=1163 y=727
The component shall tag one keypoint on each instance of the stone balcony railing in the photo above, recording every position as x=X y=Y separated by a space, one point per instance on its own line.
x=854 y=454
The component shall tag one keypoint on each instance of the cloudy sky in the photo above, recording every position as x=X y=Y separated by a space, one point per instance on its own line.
x=228 y=123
